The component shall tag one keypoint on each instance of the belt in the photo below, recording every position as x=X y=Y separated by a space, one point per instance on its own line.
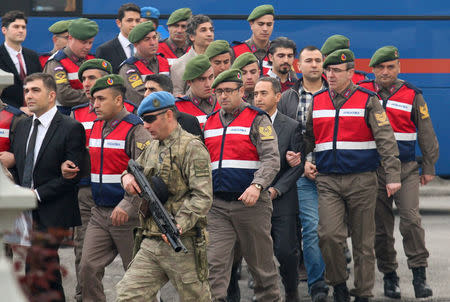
x=228 y=196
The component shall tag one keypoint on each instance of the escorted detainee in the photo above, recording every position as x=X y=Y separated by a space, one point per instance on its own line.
x=350 y=133
x=116 y=136
x=181 y=162
x=408 y=114
x=282 y=52
x=64 y=64
x=249 y=66
x=245 y=160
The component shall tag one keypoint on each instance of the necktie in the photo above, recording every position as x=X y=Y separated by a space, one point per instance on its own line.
x=29 y=159
x=131 y=49
x=22 y=73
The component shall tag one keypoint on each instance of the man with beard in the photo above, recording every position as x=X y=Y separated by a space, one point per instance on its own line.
x=282 y=54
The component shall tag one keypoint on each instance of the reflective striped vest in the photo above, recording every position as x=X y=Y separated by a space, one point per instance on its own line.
x=264 y=65
x=43 y=58
x=163 y=66
x=6 y=117
x=109 y=160
x=344 y=142
x=234 y=158
x=70 y=67
x=185 y=105
x=398 y=109
x=167 y=52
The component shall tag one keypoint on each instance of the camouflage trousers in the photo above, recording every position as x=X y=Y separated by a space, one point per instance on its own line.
x=154 y=265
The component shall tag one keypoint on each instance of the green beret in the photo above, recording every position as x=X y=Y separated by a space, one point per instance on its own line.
x=338 y=57
x=181 y=14
x=260 y=11
x=83 y=29
x=107 y=81
x=333 y=43
x=384 y=54
x=244 y=59
x=230 y=75
x=60 y=27
x=216 y=48
x=95 y=64
x=140 y=31
x=196 y=67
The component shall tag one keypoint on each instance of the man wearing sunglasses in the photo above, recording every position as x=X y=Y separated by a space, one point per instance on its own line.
x=350 y=134
x=181 y=161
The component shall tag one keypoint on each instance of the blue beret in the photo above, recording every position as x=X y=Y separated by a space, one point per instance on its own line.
x=150 y=12
x=155 y=102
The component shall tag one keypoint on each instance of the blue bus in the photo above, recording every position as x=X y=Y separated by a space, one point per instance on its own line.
x=420 y=30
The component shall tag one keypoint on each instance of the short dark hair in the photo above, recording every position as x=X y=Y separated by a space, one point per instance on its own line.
x=282 y=42
x=193 y=23
x=350 y=65
x=47 y=79
x=164 y=81
x=119 y=90
x=309 y=48
x=276 y=86
x=12 y=16
x=127 y=7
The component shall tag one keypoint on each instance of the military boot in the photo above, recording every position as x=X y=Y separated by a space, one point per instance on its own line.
x=391 y=288
x=341 y=293
x=319 y=291
x=421 y=288
x=292 y=297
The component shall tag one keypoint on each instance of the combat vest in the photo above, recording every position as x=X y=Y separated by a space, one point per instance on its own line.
x=70 y=67
x=163 y=66
x=109 y=160
x=167 y=52
x=170 y=169
x=43 y=58
x=234 y=158
x=7 y=115
x=398 y=110
x=344 y=141
x=86 y=117
x=185 y=105
x=264 y=65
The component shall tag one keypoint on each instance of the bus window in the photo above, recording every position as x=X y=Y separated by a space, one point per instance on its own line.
x=56 y=6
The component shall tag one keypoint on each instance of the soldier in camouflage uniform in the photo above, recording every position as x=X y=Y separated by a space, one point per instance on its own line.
x=182 y=162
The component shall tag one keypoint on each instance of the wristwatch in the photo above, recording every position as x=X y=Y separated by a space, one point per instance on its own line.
x=258 y=186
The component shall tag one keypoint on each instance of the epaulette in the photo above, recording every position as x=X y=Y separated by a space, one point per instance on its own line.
x=370 y=92
x=131 y=60
x=320 y=91
x=361 y=72
x=13 y=110
x=79 y=106
x=235 y=43
x=58 y=56
x=259 y=110
x=365 y=81
x=133 y=119
x=411 y=86
x=182 y=98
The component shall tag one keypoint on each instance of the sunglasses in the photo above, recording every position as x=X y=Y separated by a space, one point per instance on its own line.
x=151 y=118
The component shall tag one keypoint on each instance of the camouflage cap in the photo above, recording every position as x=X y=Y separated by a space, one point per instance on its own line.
x=216 y=48
x=338 y=57
x=60 y=27
x=230 y=75
x=107 y=81
x=156 y=101
x=95 y=64
x=140 y=31
x=384 y=54
x=83 y=29
x=196 y=67
x=150 y=12
x=260 y=11
x=333 y=43
x=243 y=60
x=181 y=14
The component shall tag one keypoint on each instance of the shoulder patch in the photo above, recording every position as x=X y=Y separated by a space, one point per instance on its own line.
x=135 y=80
x=130 y=71
x=201 y=168
x=61 y=77
x=141 y=146
x=424 y=111
x=58 y=68
x=266 y=133
x=382 y=119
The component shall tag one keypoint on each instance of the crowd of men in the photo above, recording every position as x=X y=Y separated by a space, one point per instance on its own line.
x=251 y=161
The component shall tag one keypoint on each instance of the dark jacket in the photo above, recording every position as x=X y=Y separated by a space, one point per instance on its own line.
x=112 y=52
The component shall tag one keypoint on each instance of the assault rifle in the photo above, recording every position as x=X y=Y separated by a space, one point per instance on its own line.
x=163 y=219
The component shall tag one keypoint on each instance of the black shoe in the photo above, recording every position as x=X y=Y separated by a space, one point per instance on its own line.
x=361 y=299
x=421 y=288
x=341 y=293
x=319 y=292
x=292 y=297
x=391 y=288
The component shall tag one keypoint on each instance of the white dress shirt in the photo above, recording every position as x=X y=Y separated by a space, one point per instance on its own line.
x=125 y=45
x=274 y=115
x=13 y=55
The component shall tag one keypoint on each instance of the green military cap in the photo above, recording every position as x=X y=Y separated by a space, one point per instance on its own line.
x=60 y=27
x=140 y=31
x=230 y=75
x=333 y=43
x=384 y=54
x=216 y=48
x=95 y=64
x=107 y=81
x=260 y=11
x=244 y=59
x=181 y=14
x=196 y=67
x=83 y=29
x=338 y=57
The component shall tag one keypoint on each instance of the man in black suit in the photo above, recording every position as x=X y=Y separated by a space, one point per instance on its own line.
x=119 y=49
x=16 y=59
x=42 y=143
x=283 y=190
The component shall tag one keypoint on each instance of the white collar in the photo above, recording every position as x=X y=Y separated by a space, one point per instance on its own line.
x=47 y=117
x=12 y=52
x=273 y=116
x=124 y=41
